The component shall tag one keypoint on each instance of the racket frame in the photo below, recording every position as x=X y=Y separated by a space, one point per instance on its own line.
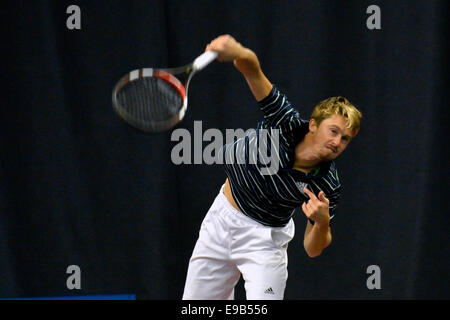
x=169 y=76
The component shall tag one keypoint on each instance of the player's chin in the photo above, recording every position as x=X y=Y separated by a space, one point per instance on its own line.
x=328 y=156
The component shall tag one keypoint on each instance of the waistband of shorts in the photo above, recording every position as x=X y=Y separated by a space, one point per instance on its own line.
x=221 y=196
x=229 y=207
x=239 y=214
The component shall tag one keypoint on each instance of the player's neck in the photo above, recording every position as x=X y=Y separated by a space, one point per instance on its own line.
x=306 y=158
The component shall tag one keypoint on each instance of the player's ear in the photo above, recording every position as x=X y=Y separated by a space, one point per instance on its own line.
x=312 y=125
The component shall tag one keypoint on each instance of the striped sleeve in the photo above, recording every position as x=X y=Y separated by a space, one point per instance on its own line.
x=277 y=110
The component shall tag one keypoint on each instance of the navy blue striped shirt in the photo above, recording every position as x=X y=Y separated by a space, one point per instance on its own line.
x=271 y=199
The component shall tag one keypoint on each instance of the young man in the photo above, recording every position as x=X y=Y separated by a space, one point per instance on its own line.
x=247 y=229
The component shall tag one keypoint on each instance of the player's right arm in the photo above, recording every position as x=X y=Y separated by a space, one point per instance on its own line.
x=246 y=61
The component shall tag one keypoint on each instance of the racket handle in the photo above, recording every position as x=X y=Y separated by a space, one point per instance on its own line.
x=204 y=59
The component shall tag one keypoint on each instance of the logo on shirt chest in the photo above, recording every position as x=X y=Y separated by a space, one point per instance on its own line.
x=301 y=185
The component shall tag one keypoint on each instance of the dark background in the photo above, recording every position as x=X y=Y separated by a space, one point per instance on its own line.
x=79 y=186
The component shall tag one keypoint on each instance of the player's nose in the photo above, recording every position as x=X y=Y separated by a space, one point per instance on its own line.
x=336 y=141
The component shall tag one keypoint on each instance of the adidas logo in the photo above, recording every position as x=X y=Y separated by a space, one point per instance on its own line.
x=269 y=291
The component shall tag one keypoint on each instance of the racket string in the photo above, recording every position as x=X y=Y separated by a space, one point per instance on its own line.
x=150 y=100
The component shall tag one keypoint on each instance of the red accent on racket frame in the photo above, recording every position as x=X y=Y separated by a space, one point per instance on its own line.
x=172 y=80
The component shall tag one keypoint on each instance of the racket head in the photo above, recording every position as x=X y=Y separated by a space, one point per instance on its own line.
x=152 y=100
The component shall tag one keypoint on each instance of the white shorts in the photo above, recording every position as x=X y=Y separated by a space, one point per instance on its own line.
x=231 y=244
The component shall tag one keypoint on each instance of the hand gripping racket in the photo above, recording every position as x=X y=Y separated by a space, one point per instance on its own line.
x=154 y=100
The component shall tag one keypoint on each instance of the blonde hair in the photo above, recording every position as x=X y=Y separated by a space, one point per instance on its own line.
x=340 y=106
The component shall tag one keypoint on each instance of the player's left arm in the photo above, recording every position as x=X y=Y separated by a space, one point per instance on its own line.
x=318 y=236
x=245 y=60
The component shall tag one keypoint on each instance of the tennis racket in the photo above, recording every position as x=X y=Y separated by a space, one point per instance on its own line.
x=155 y=100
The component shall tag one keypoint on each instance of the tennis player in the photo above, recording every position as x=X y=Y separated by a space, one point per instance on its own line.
x=248 y=227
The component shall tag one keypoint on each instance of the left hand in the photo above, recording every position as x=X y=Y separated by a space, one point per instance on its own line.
x=317 y=208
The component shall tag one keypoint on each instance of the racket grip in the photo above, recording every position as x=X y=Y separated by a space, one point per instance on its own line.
x=204 y=59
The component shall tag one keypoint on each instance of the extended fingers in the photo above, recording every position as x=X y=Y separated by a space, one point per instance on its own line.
x=310 y=194
x=323 y=198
